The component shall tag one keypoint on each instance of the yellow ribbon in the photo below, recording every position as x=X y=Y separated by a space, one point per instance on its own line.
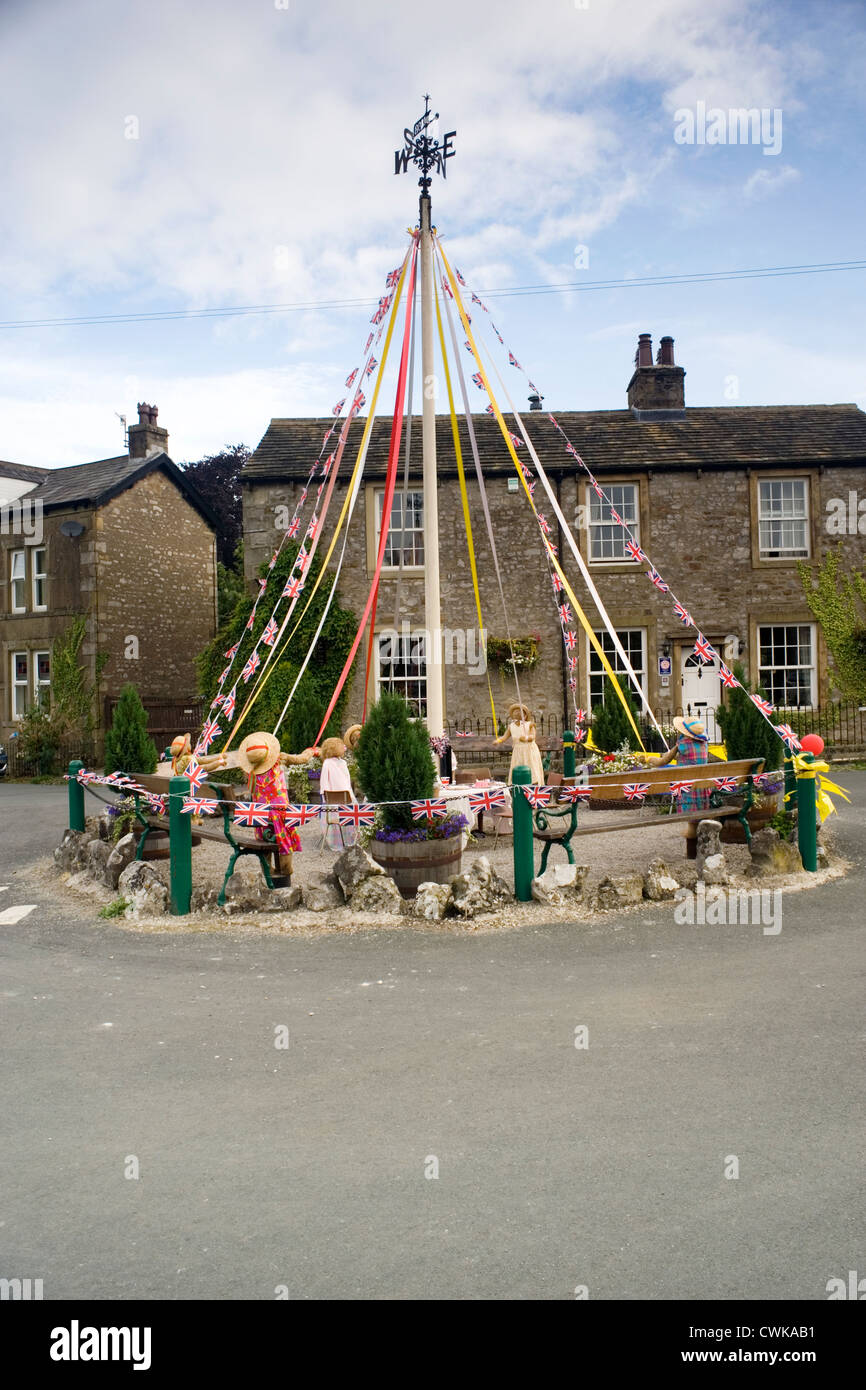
x=506 y=435
x=807 y=769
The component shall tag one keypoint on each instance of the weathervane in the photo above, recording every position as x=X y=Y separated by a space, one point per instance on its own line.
x=421 y=149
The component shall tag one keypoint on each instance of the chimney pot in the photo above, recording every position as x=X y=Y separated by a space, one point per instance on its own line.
x=644 y=356
x=147 y=437
x=666 y=352
x=656 y=390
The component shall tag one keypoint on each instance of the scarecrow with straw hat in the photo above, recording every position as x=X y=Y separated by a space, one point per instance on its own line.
x=525 y=751
x=262 y=759
x=336 y=778
x=691 y=748
x=181 y=755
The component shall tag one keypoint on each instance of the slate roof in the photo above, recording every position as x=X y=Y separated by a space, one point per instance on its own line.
x=21 y=472
x=706 y=437
x=94 y=484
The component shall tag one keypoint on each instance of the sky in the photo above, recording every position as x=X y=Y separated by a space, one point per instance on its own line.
x=170 y=158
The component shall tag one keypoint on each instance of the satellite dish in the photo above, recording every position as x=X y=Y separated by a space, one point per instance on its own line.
x=72 y=528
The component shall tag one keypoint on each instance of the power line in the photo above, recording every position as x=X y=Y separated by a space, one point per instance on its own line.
x=703 y=277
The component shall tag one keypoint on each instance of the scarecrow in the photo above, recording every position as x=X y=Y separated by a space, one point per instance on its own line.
x=181 y=754
x=261 y=758
x=525 y=752
x=690 y=749
x=336 y=786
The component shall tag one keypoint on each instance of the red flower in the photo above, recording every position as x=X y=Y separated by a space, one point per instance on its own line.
x=609 y=757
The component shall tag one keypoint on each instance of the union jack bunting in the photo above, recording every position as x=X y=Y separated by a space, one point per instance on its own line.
x=727 y=677
x=516 y=440
x=156 y=803
x=581 y=716
x=677 y=788
x=635 y=551
x=572 y=663
x=295 y=526
x=252 y=813
x=537 y=796
x=655 y=578
x=429 y=810
x=513 y=362
x=479 y=380
x=459 y=277
x=273 y=560
x=572 y=685
x=570 y=449
x=326 y=466
x=224 y=674
x=229 y=704
x=763 y=705
x=703 y=648
x=195 y=774
x=597 y=490
x=476 y=300
x=371 y=367
x=392 y=277
x=251 y=667
x=570 y=640
x=232 y=651
x=381 y=309
x=488 y=409
x=544 y=523
x=251 y=619
x=564 y=613
x=499 y=335
x=313 y=527
x=468 y=346
x=302 y=557
x=557 y=583
x=362 y=813
x=301 y=815
x=302 y=499
x=616 y=517
x=447 y=288
x=350 y=379
x=210 y=731
x=788 y=737
x=331 y=430
x=533 y=387
x=360 y=401
x=199 y=806
x=726 y=784
x=270 y=633
x=575 y=793
x=293 y=588
x=635 y=791
x=487 y=801
x=339 y=406
x=366 y=350
x=683 y=614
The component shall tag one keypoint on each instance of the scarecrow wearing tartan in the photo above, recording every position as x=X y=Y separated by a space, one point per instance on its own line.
x=691 y=748
x=262 y=760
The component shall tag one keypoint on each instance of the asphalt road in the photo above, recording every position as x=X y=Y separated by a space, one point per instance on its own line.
x=557 y=1166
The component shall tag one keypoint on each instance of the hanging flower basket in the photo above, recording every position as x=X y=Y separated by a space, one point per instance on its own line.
x=520 y=654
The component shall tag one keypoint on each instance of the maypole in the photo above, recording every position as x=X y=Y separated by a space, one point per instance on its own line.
x=422 y=149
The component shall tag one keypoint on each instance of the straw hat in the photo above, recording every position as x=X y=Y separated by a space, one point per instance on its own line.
x=691 y=728
x=258 y=753
x=180 y=744
x=523 y=710
x=352 y=734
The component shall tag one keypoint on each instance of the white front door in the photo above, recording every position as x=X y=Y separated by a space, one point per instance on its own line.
x=701 y=689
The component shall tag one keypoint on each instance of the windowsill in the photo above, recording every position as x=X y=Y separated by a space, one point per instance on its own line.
x=407 y=569
x=780 y=559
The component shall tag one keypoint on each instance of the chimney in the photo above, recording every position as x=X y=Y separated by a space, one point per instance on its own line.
x=535 y=401
x=147 y=437
x=657 y=391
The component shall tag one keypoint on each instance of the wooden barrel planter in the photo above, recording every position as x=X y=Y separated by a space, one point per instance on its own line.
x=157 y=845
x=413 y=862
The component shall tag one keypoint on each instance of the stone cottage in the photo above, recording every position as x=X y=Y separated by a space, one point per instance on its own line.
x=725 y=501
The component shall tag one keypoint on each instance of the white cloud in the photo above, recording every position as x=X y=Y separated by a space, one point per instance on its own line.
x=764 y=182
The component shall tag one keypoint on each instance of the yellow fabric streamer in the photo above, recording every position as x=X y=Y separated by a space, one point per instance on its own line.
x=804 y=767
x=358 y=462
x=582 y=618
x=464 y=496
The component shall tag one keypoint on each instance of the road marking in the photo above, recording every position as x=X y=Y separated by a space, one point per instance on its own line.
x=15 y=914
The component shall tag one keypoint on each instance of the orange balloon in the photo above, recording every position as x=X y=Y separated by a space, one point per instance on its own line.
x=812 y=743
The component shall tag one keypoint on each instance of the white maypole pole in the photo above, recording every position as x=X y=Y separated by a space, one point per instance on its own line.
x=424 y=150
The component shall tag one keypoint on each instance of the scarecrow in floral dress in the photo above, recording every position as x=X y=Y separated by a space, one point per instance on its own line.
x=690 y=749
x=262 y=760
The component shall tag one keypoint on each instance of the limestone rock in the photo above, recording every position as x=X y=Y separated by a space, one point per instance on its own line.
x=98 y=854
x=546 y=890
x=714 y=869
x=322 y=893
x=282 y=899
x=432 y=900
x=145 y=891
x=378 y=893
x=352 y=867
x=772 y=855
x=203 y=899
x=710 y=856
x=659 y=883
x=479 y=889
x=122 y=854
x=71 y=853
x=569 y=878
x=619 y=890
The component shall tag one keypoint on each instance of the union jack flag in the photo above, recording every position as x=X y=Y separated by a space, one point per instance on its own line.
x=447 y=288
x=303 y=557
x=476 y=300
x=498 y=334
x=468 y=346
x=350 y=379
x=210 y=731
x=362 y=813
x=366 y=350
x=371 y=367
x=326 y=466
x=557 y=583
x=251 y=619
x=295 y=525
x=677 y=788
x=251 y=667
x=488 y=410
x=360 y=401
x=683 y=614
x=513 y=362
x=313 y=527
x=575 y=793
x=339 y=406
x=570 y=449
x=195 y=774
x=429 y=810
x=252 y=813
x=635 y=551
x=293 y=588
x=544 y=523
x=263 y=584
x=726 y=784
x=635 y=791
x=232 y=651
x=273 y=560
x=572 y=685
x=572 y=663
x=655 y=578
x=727 y=677
x=564 y=613
x=533 y=387
x=703 y=648
x=224 y=674
x=788 y=737
x=156 y=803
x=537 y=796
x=479 y=380
x=581 y=716
x=616 y=517
x=487 y=801
x=553 y=420
x=570 y=640
x=516 y=440
x=229 y=704
x=763 y=705
x=300 y=815
x=331 y=430
x=597 y=490
x=392 y=277
x=381 y=308
x=460 y=277
x=270 y=633
x=302 y=499
x=199 y=806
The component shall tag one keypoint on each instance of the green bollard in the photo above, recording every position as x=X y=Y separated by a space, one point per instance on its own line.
x=568 y=753
x=524 y=849
x=180 y=847
x=807 y=816
x=76 y=797
x=790 y=781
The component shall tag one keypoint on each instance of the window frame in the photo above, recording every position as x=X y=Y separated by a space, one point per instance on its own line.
x=634 y=524
x=38 y=684
x=812 y=668
x=759 y=556
x=375 y=497
x=15 y=685
x=17 y=579
x=38 y=577
x=400 y=687
x=604 y=640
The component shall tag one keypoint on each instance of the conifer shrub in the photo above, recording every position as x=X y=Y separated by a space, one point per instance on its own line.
x=394 y=761
x=610 y=726
x=127 y=746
